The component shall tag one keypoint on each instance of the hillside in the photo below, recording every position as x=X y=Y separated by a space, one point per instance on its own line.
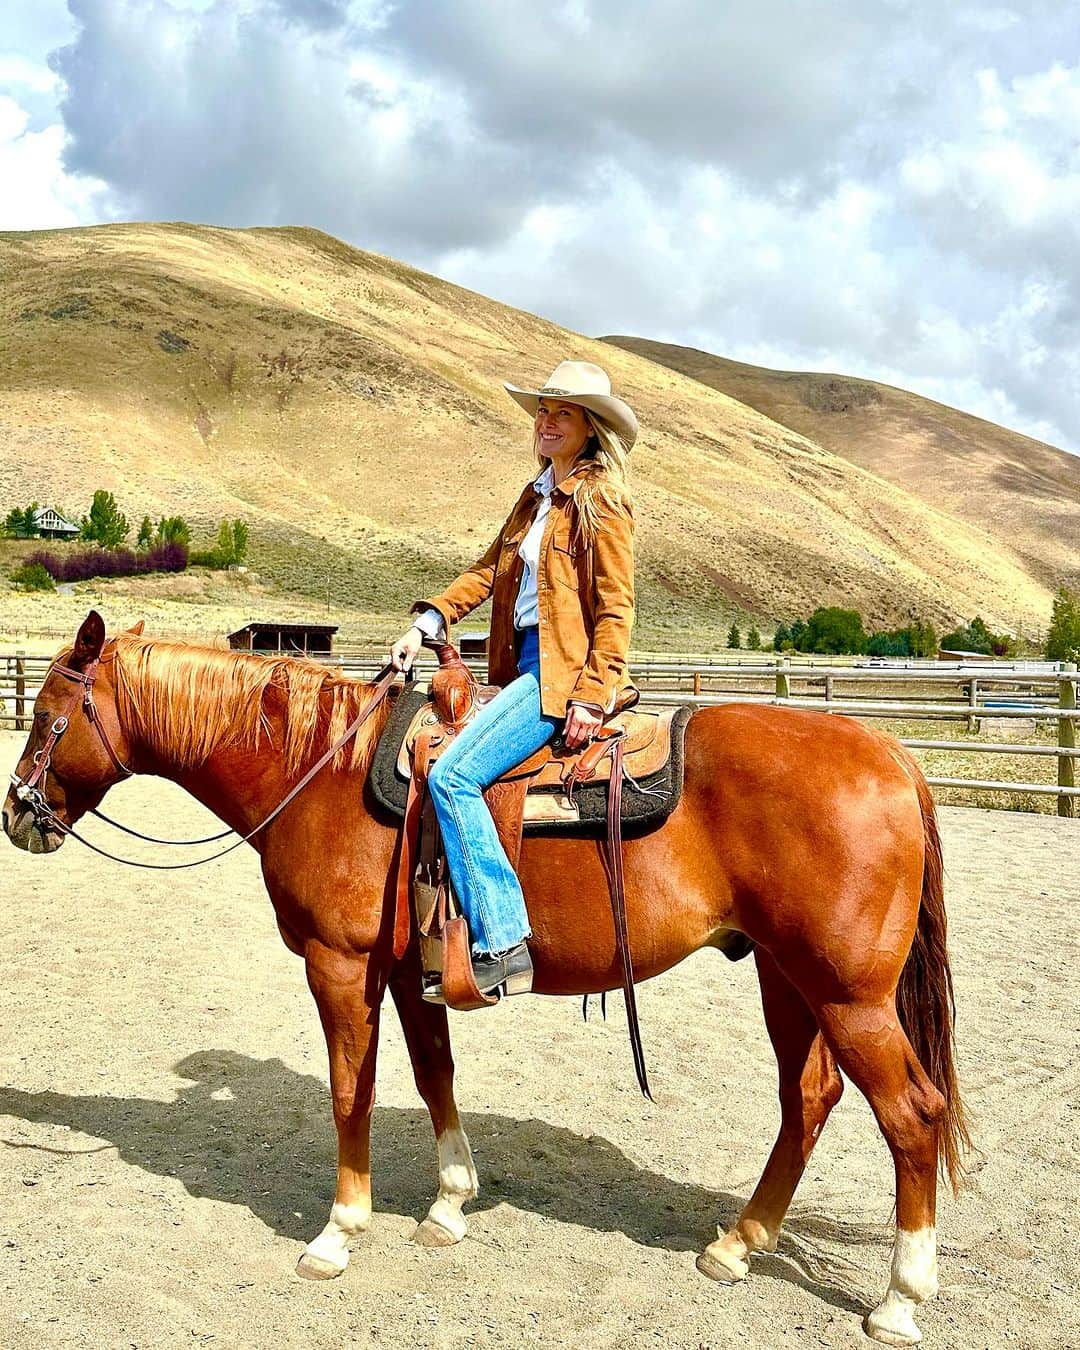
x=992 y=478
x=351 y=409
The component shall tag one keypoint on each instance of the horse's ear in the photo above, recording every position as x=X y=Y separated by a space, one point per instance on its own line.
x=89 y=640
x=136 y=627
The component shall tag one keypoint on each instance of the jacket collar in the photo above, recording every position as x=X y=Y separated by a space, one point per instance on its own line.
x=573 y=480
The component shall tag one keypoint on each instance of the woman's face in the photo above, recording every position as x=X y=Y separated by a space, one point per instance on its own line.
x=561 y=429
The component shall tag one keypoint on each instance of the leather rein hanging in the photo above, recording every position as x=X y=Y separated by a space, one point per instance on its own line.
x=28 y=791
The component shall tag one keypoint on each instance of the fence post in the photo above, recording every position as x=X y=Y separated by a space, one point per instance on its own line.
x=1066 y=806
x=828 y=691
x=783 y=681
x=20 y=691
x=697 y=683
x=973 y=700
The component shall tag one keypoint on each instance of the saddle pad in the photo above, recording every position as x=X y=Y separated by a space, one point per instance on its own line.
x=546 y=807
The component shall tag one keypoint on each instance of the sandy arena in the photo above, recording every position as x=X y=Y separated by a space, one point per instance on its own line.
x=166 y=1142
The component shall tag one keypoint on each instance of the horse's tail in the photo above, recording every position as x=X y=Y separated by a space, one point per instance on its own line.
x=924 y=995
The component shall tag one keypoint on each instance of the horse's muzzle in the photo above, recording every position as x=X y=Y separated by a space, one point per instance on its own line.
x=22 y=828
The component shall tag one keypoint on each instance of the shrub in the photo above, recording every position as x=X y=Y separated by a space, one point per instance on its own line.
x=32 y=576
x=207 y=557
x=115 y=562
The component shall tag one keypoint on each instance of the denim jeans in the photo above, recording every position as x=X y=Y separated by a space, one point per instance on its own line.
x=501 y=734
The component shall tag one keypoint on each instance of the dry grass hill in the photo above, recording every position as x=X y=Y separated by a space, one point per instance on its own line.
x=995 y=479
x=350 y=408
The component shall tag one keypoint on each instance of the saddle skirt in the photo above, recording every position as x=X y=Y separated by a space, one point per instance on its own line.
x=566 y=789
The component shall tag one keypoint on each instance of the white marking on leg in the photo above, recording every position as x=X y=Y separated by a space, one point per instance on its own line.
x=332 y=1244
x=912 y=1280
x=457 y=1183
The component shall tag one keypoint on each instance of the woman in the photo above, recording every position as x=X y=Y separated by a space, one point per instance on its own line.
x=560 y=574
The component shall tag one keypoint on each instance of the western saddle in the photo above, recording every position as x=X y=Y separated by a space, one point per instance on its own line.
x=635 y=741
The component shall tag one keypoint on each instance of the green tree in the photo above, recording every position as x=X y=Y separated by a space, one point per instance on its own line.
x=780 y=637
x=753 y=640
x=146 y=533
x=232 y=542
x=106 y=524
x=172 y=530
x=21 y=523
x=1063 y=639
x=733 y=638
x=831 y=629
x=240 y=540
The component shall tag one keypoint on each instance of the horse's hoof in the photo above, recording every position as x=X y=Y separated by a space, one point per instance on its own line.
x=432 y=1234
x=891 y=1334
x=317 y=1268
x=722 y=1266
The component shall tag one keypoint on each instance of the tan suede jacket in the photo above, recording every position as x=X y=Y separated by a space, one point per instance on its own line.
x=585 y=598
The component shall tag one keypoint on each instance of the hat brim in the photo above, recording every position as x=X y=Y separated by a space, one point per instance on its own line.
x=618 y=415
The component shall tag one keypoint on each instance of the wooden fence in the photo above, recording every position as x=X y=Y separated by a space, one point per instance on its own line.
x=1038 y=691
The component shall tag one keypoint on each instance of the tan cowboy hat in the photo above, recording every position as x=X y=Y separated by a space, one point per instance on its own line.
x=582 y=382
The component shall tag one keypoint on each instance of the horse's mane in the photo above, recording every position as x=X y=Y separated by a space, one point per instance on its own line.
x=186 y=701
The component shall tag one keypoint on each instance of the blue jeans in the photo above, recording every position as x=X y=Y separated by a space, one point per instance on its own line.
x=501 y=734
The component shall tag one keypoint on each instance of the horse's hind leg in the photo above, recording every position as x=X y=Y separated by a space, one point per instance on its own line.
x=810 y=1087
x=348 y=991
x=876 y=1055
x=427 y=1037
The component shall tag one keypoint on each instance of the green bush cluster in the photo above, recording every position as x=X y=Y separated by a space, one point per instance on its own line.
x=231 y=546
x=33 y=577
x=831 y=630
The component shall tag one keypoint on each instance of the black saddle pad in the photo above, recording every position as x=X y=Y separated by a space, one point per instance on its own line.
x=645 y=802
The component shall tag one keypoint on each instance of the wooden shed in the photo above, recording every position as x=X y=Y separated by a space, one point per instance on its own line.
x=284 y=639
x=472 y=644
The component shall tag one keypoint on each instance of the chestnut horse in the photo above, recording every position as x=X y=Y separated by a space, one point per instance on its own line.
x=810 y=834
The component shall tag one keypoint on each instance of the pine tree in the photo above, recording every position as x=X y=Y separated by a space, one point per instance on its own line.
x=753 y=640
x=146 y=533
x=733 y=639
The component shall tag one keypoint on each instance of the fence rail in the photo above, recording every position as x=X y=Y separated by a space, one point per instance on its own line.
x=990 y=690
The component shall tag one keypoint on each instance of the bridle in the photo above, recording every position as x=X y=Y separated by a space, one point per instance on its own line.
x=29 y=789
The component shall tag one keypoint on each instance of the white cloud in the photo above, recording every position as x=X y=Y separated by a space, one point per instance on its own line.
x=888 y=190
x=39 y=194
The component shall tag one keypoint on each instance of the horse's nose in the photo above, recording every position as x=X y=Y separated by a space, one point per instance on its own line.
x=4 y=820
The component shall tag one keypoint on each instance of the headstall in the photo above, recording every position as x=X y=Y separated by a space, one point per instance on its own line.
x=29 y=789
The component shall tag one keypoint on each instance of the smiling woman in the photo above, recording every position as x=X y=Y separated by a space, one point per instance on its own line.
x=560 y=575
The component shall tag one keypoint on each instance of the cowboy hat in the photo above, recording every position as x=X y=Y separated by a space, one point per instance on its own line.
x=583 y=383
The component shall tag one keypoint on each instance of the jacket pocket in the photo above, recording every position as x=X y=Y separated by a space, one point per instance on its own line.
x=565 y=558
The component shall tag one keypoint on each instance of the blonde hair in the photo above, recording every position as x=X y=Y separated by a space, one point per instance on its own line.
x=606 y=480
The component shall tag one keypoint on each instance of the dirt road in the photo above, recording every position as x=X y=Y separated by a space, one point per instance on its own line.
x=166 y=1143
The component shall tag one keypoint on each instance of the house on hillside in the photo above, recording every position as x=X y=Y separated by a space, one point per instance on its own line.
x=52 y=525
x=284 y=639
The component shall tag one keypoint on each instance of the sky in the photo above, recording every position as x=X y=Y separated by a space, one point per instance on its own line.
x=881 y=188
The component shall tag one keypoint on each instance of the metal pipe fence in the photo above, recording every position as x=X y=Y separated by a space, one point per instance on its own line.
x=1045 y=695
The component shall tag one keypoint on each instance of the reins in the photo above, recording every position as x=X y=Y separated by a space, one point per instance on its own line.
x=27 y=790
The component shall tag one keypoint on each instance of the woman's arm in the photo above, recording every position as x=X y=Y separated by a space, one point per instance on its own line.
x=613 y=605
x=465 y=592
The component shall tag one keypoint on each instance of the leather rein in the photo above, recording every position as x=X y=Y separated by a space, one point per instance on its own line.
x=28 y=791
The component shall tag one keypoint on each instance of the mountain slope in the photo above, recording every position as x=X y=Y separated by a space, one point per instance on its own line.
x=351 y=409
x=995 y=479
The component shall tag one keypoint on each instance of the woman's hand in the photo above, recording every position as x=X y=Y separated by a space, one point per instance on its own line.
x=403 y=652
x=582 y=724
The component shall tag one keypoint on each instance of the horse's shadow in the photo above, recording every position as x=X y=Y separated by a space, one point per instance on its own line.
x=257 y=1133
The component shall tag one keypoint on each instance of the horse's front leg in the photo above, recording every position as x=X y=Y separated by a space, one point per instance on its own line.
x=348 y=991
x=427 y=1036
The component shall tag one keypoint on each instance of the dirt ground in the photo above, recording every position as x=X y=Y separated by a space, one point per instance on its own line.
x=166 y=1143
